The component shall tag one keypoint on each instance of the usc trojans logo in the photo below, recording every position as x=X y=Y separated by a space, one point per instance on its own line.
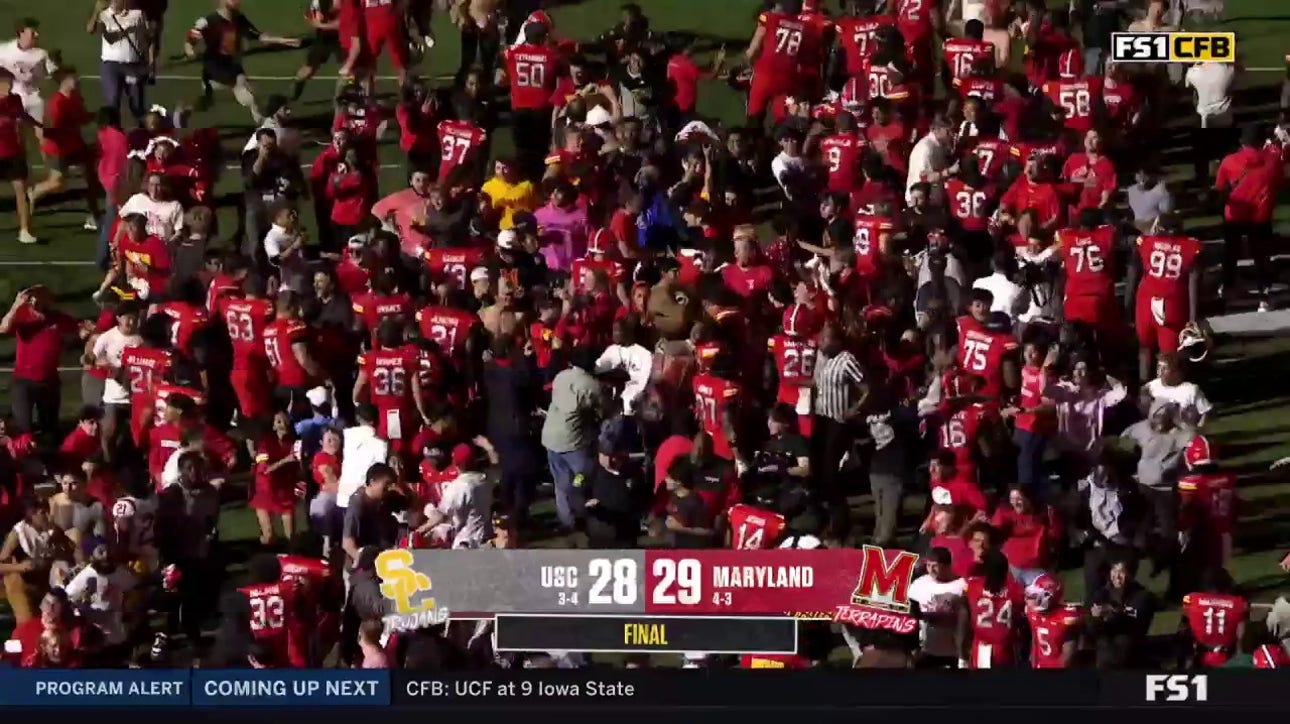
x=401 y=584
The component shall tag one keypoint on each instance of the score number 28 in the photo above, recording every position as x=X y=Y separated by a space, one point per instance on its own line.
x=615 y=582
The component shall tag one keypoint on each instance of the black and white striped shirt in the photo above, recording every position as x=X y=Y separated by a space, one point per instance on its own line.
x=836 y=379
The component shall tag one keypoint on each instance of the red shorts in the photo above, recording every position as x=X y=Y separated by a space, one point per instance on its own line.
x=764 y=89
x=1100 y=313
x=378 y=36
x=1159 y=320
x=254 y=395
x=399 y=428
x=140 y=415
x=274 y=497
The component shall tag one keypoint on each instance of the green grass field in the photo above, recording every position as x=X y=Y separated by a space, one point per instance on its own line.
x=1249 y=383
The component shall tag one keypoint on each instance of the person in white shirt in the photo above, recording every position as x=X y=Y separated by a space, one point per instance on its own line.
x=789 y=167
x=626 y=355
x=464 y=513
x=125 y=55
x=1212 y=85
x=363 y=448
x=938 y=595
x=1009 y=297
x=106 y=355
x=165 y=217
x=1170 y=386
x=98 y=592
x=30 y=65
x=930 y=159
x=284 y=247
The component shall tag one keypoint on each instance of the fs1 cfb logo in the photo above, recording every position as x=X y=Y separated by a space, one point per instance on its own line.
x=1177 y=687
x=1173 y=47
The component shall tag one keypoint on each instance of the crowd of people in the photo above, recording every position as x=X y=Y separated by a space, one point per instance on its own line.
x=895 y=278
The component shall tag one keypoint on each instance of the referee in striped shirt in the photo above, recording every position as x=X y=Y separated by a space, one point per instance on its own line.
x=839 y=393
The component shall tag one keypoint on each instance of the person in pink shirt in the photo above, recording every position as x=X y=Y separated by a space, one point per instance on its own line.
x=114 y=148
x=562 y=228
x=406 y=211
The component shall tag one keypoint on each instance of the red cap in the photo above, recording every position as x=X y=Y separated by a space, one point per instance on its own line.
x=1198 y=452
x=462 y=455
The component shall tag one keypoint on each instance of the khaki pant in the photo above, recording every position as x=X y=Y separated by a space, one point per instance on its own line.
x=23 y=597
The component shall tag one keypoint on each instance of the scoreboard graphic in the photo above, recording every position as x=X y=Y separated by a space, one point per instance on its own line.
x=711 y=601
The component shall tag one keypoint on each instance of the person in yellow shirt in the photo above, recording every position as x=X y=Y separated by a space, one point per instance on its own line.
x=509 y=193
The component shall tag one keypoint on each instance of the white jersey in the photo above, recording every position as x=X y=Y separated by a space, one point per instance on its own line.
x=30 y=67
x=134 y=521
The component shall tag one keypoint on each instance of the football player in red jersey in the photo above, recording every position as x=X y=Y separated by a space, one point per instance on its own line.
x=1272 y=656
x=1054 y=626
x=1207 y=506
x=1164 y=281
x=392 y=372
x=286 y=346
x=1215 y=619
x=982 y=81
x=143 y=367
x=774 y=53
x=246 y=317
x=600 y=246
x=842 y=153
x=965 y=424
x=986 y=346
x=258 y=613
x=460 y=143
x=188 y=319
x=972 y=199
x=452 y=328
x=920 y=22
x=384 y=26
x=717 y=399
x=452 y=264
x=991 y=615
x=532 y=69
x=313 y=622
x=1080 y=101
x=1087 y=253
x=386 y=301
x=753 y=528
x=857 y=36
x=990 y=152
x=962 y=55
x=791 y=366
x=818 y=32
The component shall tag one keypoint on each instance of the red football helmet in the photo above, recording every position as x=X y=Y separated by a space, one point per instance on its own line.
x=1198 y=452
x=799 y=321
x=1271 y=656
x=600 y=242
x=1044 y=593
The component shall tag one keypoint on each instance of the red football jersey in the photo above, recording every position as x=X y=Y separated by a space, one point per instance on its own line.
x=374 y=309
x=795 y=370
x=1122 y=103
x=971 y=206
x=389 y=377
x=313 y=617
x=842 y=154
x=1086 y=256
x=269 y=613
x=186 y=320
x=279 y=337
x=989 y=90
x=1214 y=619
x=960 y=431
x=981 y=352
x=713 y=397
x=991 y=155
x=858 y=38
x=1271 y=656
x=869 y=231
x=1077 y=99
x=914 y=19
x=532 y=73
x=246 y=320
x=449 y=327
x=453 y=264
x=458 y=140
x=881 y=83
x=781 y=45
x=144 y=368
x=752 y=528
x=961 y=54
x=1050 y=631
x=1209 y=501
x=221 y=287
x=1167 y=263
x=996 y=621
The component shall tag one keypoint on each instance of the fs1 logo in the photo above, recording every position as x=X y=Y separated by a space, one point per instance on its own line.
x=1177 y=687
x=1173 y=47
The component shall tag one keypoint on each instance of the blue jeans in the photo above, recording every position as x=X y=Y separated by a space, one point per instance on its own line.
x=1030 y=461
x=568 y=469
x=103 y=252
x=125 y=79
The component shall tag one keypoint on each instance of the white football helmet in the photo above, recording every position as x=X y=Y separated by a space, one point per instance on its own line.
x=1193 y=345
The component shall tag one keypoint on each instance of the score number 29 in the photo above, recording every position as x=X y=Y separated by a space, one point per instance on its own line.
x=615 y=582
